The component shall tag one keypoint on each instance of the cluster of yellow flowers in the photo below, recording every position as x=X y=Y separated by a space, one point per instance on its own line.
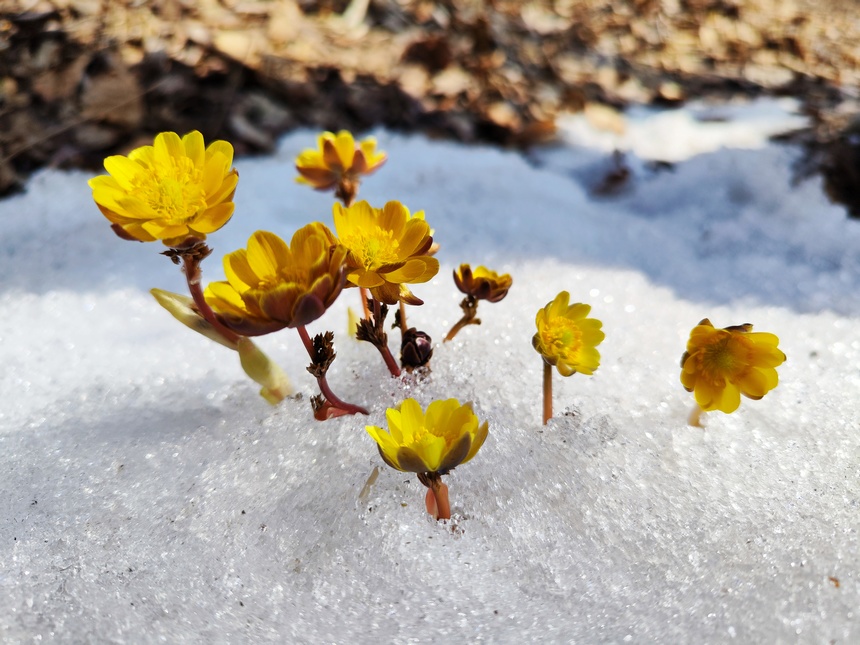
x=178 y=191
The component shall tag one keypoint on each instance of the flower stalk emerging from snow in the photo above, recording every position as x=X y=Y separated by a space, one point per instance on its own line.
x=721 y=364
x=480 y=284
x=175 y=190
x=339 y=162
x=430 y=444
x=567 y=340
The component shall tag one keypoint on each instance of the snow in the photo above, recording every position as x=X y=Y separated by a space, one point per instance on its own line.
x=150 y=495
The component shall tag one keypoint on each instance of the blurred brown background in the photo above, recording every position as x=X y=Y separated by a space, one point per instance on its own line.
x=80 y=79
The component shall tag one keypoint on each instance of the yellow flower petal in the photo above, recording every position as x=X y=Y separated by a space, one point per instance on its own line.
x=266 y=253
x=194 y=148
x=213 y=218
x=345 y=146
x=411 y=417
x=238 y=271
x=123 y=170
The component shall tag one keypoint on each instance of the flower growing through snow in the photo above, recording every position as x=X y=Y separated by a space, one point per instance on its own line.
x=338 y=163
x=430 y=444
x=386 y=249
x=721 y=364
x=175 y=190
x=273 y=285
x=566 y=339
x=480 y=284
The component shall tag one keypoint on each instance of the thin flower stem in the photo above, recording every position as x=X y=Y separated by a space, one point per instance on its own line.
x=547 y=392
x=383 y=348
x=365 y=296
x=470 y=310
x=193 y=276
x=436 y=500
x=695 y=418
x=306 y=340
x=330 y=396
x=403 y=325
x=443 y=505
x=430 y=504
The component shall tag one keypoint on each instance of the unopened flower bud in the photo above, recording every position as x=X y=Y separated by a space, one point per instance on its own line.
x=415 y=350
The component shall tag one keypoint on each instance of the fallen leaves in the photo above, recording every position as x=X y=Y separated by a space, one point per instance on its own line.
x=83 y=78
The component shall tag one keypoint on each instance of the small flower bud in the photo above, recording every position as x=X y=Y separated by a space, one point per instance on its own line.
x=416 y=350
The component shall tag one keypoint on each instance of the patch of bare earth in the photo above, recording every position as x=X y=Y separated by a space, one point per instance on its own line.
x=80 y=79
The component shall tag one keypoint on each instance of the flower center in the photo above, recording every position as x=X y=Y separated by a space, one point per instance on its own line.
x=725 y=359
x=174 y=191
x=374 y=249
x=294 y=275
x=423 y=431
x=561 y=337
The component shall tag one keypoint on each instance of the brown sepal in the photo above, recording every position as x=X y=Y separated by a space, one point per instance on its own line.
x=121 y=233
x=323 y=354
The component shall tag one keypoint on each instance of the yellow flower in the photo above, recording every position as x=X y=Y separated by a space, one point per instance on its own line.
x=566 y=338
x=171 y=191
x=271 y=285
x=482 y=284
x=386 y=249
x=721 y=364
x=448 y=435
x=337 y=158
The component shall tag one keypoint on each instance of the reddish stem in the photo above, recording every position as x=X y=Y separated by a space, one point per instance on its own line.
x=437 y=502
x=193 y=276
x=330 y=396
x=442 y=503
x=392 y=365
x=365 y=296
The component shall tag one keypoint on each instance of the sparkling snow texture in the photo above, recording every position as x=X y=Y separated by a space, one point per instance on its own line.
x=150 y=495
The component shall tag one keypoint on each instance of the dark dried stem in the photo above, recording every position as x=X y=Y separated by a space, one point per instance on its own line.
x=330 y=396
x=469 y=305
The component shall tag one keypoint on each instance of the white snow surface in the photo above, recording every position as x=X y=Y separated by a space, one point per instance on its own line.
x=150 y=495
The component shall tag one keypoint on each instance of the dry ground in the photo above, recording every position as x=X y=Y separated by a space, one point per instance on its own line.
x=80 y=79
